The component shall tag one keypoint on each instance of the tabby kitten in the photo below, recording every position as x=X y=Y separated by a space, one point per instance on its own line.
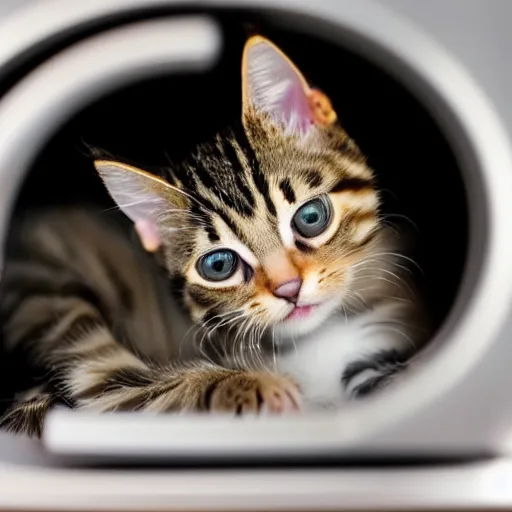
x=279 y=286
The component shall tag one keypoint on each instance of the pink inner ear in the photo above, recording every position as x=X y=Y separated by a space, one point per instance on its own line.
x=276 y=87
x=148 y=235
x=295 y=105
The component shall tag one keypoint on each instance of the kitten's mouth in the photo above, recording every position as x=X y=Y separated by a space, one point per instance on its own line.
x=301 y=312
x=303 y=319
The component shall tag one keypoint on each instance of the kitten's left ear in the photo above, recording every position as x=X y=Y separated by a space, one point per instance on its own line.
x=143 y=197
x=272 y=84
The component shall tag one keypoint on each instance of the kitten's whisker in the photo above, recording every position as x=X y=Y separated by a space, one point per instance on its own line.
x=230 y=323
x=232 y=316
x=207 y=332
x=235 y=341
x=378 y=278
x=344 y=312
x=357 y=294
x=111 y=209
x=250 y=343
x=220 y=316
x=260 y=332
x=195 y=327
x=398 y=331
x=398 y=255
x=400 y=216
x=373 y=260
x=295 y=348
x=393 y=227
x=393 y=322
x=396 y=276
x=238 y=353
x=353 y=295
x=247 y=334
x=348 y=311
x=400 y=299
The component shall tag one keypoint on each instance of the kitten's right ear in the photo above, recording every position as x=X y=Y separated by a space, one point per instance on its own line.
x=143 y=197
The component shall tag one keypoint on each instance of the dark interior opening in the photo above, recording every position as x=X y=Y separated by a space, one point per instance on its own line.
x=153 y=120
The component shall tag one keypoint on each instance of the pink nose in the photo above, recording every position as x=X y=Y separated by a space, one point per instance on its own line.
x=289 y=290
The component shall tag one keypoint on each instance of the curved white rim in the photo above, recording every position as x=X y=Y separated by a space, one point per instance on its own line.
x=24 y=117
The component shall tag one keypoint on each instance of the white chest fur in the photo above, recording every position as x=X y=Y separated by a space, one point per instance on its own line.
x=318 y=361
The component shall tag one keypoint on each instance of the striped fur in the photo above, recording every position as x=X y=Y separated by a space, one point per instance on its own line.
x=92 y=312
x=28 y=414
x=113 y=330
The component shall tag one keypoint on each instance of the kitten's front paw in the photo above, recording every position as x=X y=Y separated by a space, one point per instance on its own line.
x=255 y=393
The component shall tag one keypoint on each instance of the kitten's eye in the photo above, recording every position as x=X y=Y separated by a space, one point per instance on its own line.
x=312 y=219
x=218 y=265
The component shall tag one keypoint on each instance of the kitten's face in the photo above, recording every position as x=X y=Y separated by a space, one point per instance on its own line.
x=264 y=227
x=288 y=224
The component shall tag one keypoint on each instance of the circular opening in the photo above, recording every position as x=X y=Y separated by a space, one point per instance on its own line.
x=417 y=169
